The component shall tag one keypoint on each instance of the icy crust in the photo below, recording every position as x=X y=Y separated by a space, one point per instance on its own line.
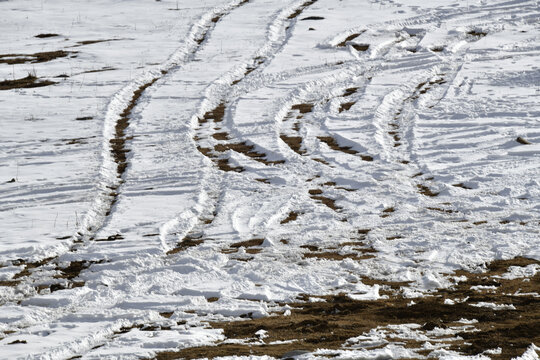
x=409 y=168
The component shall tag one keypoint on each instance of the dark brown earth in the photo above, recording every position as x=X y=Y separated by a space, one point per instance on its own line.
x=328 y=324
x=30 y=81
x=39 y=57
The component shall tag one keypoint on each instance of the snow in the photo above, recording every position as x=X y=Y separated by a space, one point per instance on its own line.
x=457 y=101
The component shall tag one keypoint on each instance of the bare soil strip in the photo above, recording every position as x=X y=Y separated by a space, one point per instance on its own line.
x=30 y=81
x=333 y=144
x=39 y=57
x=330 y=323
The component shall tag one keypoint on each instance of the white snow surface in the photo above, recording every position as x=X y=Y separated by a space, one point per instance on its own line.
x=454 y=83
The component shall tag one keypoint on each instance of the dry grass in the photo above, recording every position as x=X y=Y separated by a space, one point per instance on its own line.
x=349 y=38
x=333 y=144
x=477 y=33
x=248 y=243
x=300 y=9
x=24 y=83
x=522 y=141
x=312 y=18
x=294 y=142
x=424 y=190
x=45 y=35
x=186 y=243
x=39 y=57
x=293 y=215
x=216 y=114
x=303 y=108
x=346 y=106
x=328 y=324
x=331 y=203
x=360 y=47
x=118 y=143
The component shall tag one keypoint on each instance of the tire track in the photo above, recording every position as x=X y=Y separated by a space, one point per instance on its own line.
x=216 y=143
x=115 y=159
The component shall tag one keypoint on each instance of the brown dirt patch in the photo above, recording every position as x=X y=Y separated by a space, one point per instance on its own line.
x=216 y=114
x=331 y=203
x=350 y=91
x=248 y=243
x=45 y=35
x=118 y=143
x=294 y=142
x=328 y=324
x=333 y=144
x=293 y=215
x=24 y=83
x=360 y=47
x=424 y=190
x=74 y=269
x=186 y=243
x=29 y=266
x=303 y=108
x=300 y=9
x=223 y=165
x=98 y=70
x=349 y=38
x=477 y=33
x=330 y=255
x=322 y=161
x=522 y=141
x=39 y=57
x=346 y=106
x=221 y=135
x=461 y=185
x=90 y=42
x=448 y=211
x=387 y=212
x=112 y=238
x=247 y=150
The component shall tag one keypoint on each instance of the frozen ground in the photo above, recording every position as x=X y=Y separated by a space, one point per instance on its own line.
x=215 y=160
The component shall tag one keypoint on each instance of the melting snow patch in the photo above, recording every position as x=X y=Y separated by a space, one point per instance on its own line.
x=494 y=306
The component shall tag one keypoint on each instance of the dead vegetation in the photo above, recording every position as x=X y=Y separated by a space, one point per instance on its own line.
x=349 y=38
x=45 y=35
x=312 y=18
x=293 y=215
x=118 y=143
x=360 y=47
x=38 y=57
x=91 y=42
x=186 y=243
x=303 y=108
x=216 y=115
x=294 y=142
x=330 y=323
x=426 y=191
x=316 y=194
x=346 y=106
x=463 y=186
x=350 y=91
x=333 y=144
x=30 y=81
x=299 y=11
x=522 y=141
x=477 y=33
